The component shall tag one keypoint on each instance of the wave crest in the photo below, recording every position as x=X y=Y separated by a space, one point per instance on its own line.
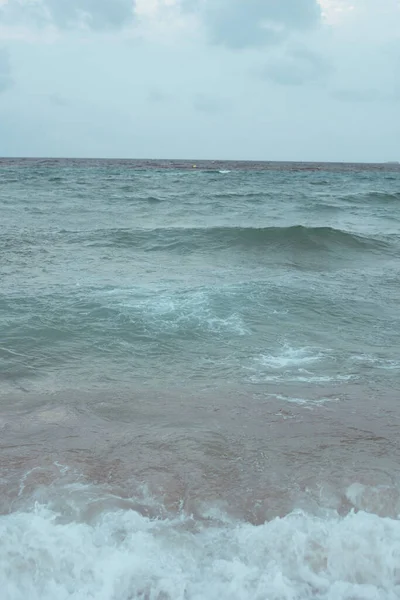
x=296 y=238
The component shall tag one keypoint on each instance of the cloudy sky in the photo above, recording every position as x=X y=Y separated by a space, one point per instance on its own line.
x=234 y=79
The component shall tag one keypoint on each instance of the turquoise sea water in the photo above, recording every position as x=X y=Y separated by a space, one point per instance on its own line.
x=200 y=374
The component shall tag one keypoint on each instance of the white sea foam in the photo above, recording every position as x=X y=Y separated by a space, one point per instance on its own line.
x=292 y=365
x=306 y=364
x=304 y=401
x=122 y=555
x=290 y=358
x=368 y=360
x=169 y=313
x=303 y=378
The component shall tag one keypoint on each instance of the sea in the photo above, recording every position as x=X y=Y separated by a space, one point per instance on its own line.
x=199 y=380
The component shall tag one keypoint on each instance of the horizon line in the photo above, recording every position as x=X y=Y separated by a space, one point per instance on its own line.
x=203 y=160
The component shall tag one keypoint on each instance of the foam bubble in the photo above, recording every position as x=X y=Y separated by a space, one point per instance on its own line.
x=124 y=555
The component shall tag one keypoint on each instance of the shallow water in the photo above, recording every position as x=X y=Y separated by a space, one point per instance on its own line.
x=200 y=375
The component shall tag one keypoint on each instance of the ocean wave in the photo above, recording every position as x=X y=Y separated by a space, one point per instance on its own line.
x=121 y=324
x=296 y=237
x=46 y=554
x=372 y=196
x=195 y=313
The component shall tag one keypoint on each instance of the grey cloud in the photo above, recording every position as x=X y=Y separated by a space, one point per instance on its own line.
x=353 y=95
x=98 y=14
x=365 y=96
x=248 y=23
x=5 y=71
x=297 y=66
x=209 y=104
x=95 y=14
x=57 y=100
x=156 y=96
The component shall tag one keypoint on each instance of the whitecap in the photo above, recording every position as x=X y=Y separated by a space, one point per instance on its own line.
x=291 y=357
x=126 y=556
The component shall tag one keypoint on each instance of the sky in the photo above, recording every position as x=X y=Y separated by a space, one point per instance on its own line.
x=310 y=80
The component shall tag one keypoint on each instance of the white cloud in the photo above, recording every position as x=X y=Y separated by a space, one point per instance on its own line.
x=335 y=12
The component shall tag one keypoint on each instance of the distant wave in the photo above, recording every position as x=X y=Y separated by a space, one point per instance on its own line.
x=379 y=197
x=296 y=238
x=241 y=195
